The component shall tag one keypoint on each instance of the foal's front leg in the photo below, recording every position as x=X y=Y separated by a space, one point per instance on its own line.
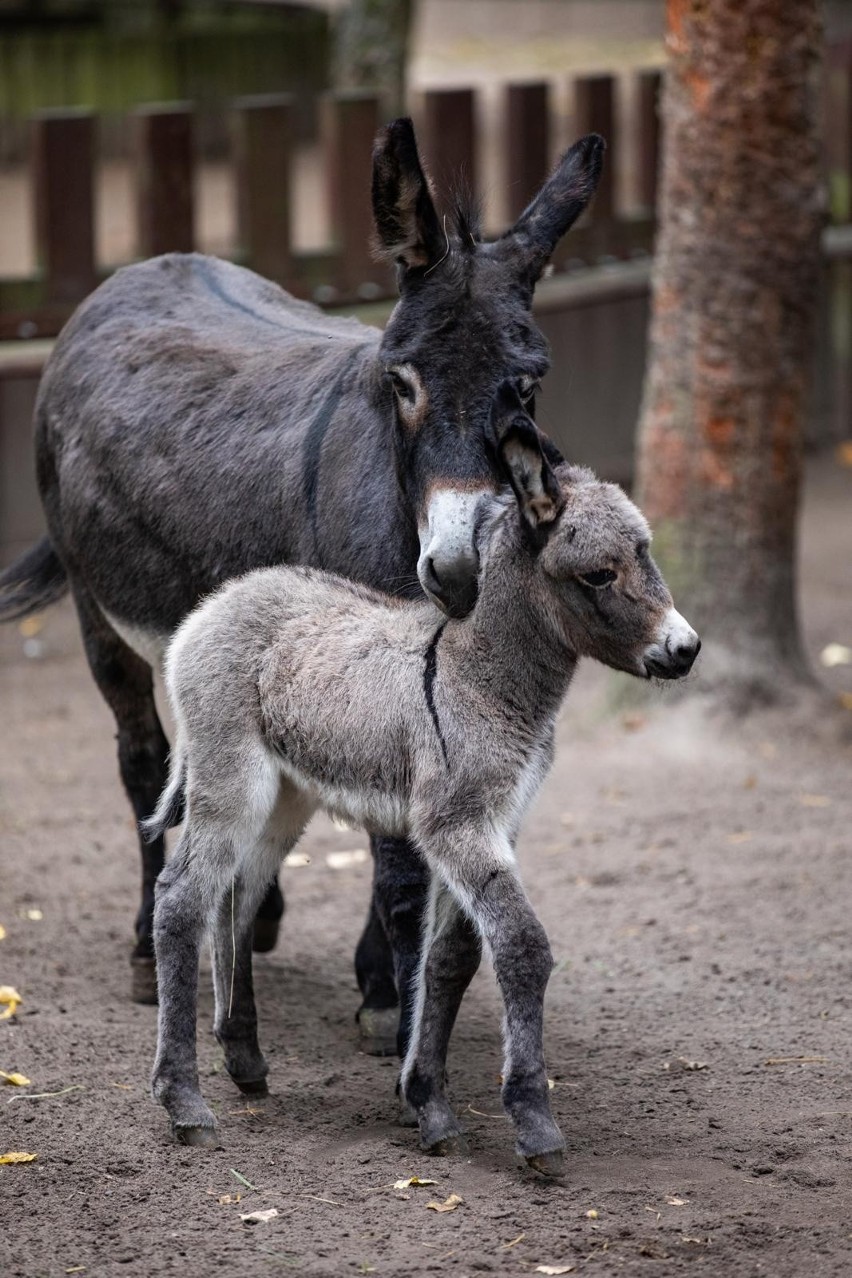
x=483 y=877
x=452 y=950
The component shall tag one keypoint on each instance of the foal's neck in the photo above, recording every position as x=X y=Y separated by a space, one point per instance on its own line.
x=512 y=645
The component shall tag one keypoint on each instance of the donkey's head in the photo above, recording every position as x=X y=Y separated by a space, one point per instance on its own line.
x=460 y=341
x=592 y=549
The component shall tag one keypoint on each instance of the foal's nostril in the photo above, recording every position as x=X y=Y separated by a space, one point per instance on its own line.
x=684 y=654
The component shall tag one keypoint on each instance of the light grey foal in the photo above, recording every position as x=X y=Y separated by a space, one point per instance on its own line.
x=295 y=691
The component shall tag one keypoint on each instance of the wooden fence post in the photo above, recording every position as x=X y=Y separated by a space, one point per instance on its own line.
x=350 y=123
x=595 y=113
x=527 y=143
x=164 y=178
x=449 y=138
x=63 y=182
x=263 y=140
x=648 y=86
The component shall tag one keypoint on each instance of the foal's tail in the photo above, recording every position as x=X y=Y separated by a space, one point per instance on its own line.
x=32 y=582
x=170 y=809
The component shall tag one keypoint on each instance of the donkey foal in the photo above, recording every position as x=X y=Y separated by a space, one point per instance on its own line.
x=295 y=691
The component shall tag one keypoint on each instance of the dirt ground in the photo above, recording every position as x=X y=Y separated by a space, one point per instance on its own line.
x=694 y=877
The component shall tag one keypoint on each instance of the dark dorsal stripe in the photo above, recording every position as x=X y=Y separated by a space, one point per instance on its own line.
x=314 y=438
x=203 y=268
x=429 y=672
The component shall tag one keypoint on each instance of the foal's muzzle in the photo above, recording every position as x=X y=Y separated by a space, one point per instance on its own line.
x=673 y=654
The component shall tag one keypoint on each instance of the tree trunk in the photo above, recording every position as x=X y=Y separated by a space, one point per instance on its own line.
x=371 y=48
x=735 y=277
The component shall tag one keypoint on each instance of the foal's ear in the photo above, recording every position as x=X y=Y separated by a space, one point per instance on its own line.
x=407 y=228
x=536 y=487
x=557 y=206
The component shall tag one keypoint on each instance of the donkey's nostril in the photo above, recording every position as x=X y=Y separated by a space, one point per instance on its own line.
x=454 y=588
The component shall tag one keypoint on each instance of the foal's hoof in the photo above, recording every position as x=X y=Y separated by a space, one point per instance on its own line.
x=552 y=1164
x=143 y=980
x=252 y=1086
x=200 y=1137
x=265 y=936
x=377 y=1027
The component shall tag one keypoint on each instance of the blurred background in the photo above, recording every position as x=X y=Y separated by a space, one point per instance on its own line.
x=133 y=127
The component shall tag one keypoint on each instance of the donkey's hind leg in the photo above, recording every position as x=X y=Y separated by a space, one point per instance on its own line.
x=126 y=683
x=452 y=950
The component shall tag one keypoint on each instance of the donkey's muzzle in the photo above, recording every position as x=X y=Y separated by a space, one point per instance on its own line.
x=453 y=587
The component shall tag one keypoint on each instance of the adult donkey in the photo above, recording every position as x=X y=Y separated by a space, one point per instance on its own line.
x=195 y=422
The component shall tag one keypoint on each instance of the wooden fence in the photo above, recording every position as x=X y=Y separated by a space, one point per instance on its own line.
x=64 y=156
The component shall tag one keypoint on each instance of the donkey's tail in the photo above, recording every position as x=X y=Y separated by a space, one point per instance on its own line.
x=32 y=582
x=170 y=809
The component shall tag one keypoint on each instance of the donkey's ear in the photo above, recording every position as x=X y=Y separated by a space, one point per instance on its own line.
x=537 y=489
x=407 y=226
x=557 y=206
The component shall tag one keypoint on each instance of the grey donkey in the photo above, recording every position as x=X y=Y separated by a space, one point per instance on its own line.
x=294 y=691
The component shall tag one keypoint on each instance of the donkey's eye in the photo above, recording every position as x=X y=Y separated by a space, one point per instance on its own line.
x=597 y=580
x=527 y=387
x=403 y=388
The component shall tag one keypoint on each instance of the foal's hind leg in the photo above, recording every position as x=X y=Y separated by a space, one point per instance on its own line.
x=126 y=683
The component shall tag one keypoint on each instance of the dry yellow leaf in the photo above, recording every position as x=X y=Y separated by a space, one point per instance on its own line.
x=343 y=860
x=17 y=1080
x=2 y=932
x=34 y=915
x=9 y=1000
x=412 y=1180
x=741 y=836
x=13 y=1157
x=845 y=700
x=449 y=1204
x=592 y=1214
x=675 y=1201
x=259 y=1217
x=31 y=626
x=553 y=1269
x=844 y=452
x=836 y=654
x=814 y=800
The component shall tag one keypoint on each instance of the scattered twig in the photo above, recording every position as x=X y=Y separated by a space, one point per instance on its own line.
x=19 y=1096
x=481 y=1114
x=237 y=1176
x=319 y=1199
x=796 y=1060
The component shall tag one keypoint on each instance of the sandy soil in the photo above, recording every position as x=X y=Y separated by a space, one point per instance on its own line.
x=694 y=878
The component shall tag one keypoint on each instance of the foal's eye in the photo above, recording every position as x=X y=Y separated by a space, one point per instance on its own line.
x=527 y=387
x=597 y=580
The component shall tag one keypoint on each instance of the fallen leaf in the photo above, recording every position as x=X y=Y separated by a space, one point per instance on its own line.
x=844 y=453
x=741 y=836
x=412 y=1180
x=224 y=1199
x=17 y=1080
x=238 y=1176
x=814 y=800
x=343 y=860
x=553 y=1269
x=13 y=1157
x=11 y=999
x=31 y=626
x=674 y=1201
x=76 y=1269
x=35 y=916
x=259 y=1217
x=691 y=1066
x=845 y=699
x=293 y=859
x=591 y=1214
x=449 y=1204
x=2 y=932
x=836 y=654
x=702 y=1242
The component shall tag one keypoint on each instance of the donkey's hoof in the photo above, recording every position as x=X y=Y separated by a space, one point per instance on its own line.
x=143 y=980
x=377 y=1027
x=200 y=1137
x=265 y=936
x=252 y=1086
x=551 y=1164
x=454 y=1143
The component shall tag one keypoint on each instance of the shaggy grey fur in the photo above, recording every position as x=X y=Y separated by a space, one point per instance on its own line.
x=295 y=691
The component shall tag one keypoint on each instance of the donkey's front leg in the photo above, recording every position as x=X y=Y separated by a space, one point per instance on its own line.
x=452 y=950
x=179 y=922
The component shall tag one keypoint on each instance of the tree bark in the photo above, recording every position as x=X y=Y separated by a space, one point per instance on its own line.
x=371 y=48
x=735 y=278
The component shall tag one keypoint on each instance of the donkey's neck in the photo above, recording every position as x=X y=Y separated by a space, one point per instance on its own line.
x=512 y=645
